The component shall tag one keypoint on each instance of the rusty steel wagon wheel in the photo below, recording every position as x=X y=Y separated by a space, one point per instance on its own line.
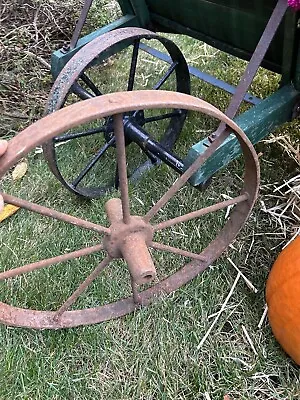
x=129 y=236
x=88 y=148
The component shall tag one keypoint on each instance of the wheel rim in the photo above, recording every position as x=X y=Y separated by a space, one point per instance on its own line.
x=109 y=44
x=116 y=104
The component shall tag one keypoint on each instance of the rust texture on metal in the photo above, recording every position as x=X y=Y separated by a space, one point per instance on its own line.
x=129 y=240
x=122 y=168
x=82 y=287
x=49 y=212
x=200 y=213
x=79 y=25
x=176 y=250
x=50 y=261
x=85 y=56
x=130 y=236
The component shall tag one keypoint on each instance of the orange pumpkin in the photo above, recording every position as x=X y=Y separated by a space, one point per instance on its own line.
x=283 y=299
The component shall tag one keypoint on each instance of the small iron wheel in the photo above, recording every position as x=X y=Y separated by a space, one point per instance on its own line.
x=93 y=143
x=131 y=238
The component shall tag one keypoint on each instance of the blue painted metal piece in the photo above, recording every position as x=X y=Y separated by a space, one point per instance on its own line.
x=249 y=98
x=256 y=123
x=59 y=58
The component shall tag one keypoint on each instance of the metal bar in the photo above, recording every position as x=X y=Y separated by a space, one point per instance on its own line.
x=256 y=59
x=249 y=98
x=90 y=84
x=201 y=212
x=154 y=160
x=78 y=28
x=95 y=159
x=80 y=92
x=70 y=136
x=133 y=64
x=253 y=65
x=135 y=292
x=122 y=168
x=49 y=261
x=160 y=117
x=82 y=287
x=49 y=212
x=175 y=250
x=180 y=182
x=140 y=9
x=289 y=47
x=139 y=136
x=166 y=76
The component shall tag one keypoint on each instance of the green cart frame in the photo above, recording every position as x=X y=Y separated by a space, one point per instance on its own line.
x=263 y=32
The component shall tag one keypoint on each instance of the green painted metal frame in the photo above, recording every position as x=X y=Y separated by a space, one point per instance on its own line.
x=257 y=122
x=60 y=57
x=260 y=119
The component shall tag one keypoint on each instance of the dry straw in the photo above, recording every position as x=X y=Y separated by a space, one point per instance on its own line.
x=285 y=196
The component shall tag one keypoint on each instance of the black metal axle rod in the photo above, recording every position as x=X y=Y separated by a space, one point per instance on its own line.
x=135 y=133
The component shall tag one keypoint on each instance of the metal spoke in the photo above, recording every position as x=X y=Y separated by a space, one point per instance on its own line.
x=49 y=212
x=175 y=250
x=122 y=168
x=12 y=273
x=76 y=135
x=201 y=212
x=132 y=71
x=90 y=84
x=160 y=117
x=135 y=293
x=94 y=160
x=82 y=287
x=81 y=92
x=117 y=178
x=180 y=182
x=166 y=76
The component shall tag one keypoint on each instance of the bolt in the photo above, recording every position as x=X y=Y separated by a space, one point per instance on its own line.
x=66 y=47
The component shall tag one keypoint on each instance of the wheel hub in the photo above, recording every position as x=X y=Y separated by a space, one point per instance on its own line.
x=136 y=117
x=130 y=241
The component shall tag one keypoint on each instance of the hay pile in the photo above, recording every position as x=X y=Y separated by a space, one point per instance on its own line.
x=285 y=197
x=29 y=32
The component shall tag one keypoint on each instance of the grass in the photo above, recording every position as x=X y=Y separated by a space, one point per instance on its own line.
x=153 y=353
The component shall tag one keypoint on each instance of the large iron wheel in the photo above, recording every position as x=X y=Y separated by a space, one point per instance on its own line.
x=77 y=77
x=129 y=237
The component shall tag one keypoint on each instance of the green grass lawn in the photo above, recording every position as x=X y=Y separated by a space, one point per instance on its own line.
x=153 y=353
